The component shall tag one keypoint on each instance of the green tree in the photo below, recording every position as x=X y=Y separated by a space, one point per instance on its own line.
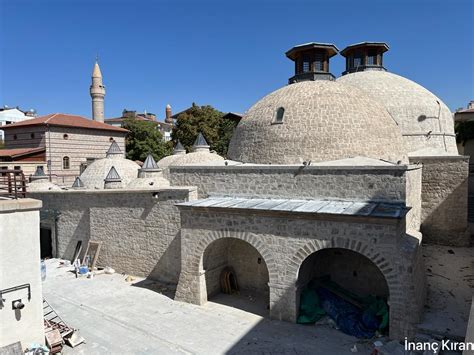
x=464 y=131
x=208 y=121
x=144 y=137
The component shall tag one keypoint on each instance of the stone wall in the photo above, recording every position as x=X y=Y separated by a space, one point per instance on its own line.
x=139 y=230
x=359 y=183
x=345 y=267
x=249 y=266
x=19 y=265
x=284 y=242
x=444 y=199
x=28 y=168
x=79 y=145
x=413 y=199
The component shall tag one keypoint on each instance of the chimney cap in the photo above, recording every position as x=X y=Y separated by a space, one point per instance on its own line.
x=381 y=45
x=330 y=48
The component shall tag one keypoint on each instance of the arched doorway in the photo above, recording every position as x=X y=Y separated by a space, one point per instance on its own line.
x=345 y=284
x=236 y=275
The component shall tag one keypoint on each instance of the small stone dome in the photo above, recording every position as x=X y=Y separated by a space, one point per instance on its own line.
x=94 y=175
x=39 y=181
x=196 y=158
x=177 y=152
x=150 y=176
x=201 y=155
x=423 y=119
x=148 y=183
x=42 y=185
x=316 y=120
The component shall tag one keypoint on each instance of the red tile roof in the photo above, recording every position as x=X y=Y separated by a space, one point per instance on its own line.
x=65 y=120
x=17 y=152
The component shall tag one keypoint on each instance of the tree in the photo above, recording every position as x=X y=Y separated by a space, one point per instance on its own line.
x=143 y=138
x=464 y=131
x=208 y=121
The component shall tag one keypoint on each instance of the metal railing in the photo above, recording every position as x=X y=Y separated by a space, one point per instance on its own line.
x=12 y=184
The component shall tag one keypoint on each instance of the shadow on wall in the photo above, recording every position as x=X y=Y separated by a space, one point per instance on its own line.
x=168 y=267
x=447 y=223
x=81 y=232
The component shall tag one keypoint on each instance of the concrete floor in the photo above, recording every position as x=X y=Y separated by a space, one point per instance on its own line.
x=450 y=281
x=115 y=317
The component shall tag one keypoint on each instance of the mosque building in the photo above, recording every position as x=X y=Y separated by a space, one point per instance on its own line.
x=341 y=178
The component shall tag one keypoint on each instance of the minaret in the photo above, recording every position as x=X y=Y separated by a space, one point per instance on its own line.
x=168 y=118
x=97 y=91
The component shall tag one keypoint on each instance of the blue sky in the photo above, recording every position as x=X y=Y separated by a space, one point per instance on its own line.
x=224 y=53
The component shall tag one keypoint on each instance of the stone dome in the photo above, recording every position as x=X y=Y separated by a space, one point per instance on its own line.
x=196 y=158
x=148 y=183
x=316 y=120
x=201 y=155
x=423 y=119
x=94 y=175
x=42 y=185
x=150 y=176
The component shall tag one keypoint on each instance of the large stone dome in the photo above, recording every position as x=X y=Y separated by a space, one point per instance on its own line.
x=321 y=120
x=423 y=119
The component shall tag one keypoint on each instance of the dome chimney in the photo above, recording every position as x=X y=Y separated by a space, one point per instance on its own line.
x=364 y=56
x=311 y=61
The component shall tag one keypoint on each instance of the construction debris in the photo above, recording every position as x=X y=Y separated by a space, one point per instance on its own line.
x=54 y=341
x=57 y=332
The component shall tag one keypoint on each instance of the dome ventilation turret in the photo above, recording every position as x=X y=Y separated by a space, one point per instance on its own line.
x=179 y=149
x=200 y=144
x=113 y=176
x=364 y=56
x=39 y=174
x=149 y=163
x=114 y=149
x=312 y=61
x=78 y=183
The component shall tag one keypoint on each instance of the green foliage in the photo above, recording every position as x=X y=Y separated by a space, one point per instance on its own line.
x=209 y=122
x=226 y=130
x=144 y=138
x=464 y=131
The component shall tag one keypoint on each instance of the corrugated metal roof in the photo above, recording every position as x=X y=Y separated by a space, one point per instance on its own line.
x=322 y=206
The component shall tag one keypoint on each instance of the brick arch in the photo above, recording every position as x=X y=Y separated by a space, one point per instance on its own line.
x=212 y=236
x=385 y=267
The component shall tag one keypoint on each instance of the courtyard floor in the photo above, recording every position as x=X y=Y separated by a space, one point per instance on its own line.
x=118 y=317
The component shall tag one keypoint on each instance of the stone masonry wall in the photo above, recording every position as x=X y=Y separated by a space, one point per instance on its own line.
x=444 y=199
x=291 y=182
x=79 y=145
x=413 y=188
x=285 y=242
x=139 y=230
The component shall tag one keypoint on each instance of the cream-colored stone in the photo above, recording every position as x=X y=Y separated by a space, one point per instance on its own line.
x=323 y=120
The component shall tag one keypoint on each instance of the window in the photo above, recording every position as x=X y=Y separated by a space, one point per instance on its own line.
x=318 y=62
x=32 y=135
x=306 y=64
x=279 y=115
x=17 y=167
x=65 y=136
x=372 y=58
x=66 y=163
x=358 y=60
